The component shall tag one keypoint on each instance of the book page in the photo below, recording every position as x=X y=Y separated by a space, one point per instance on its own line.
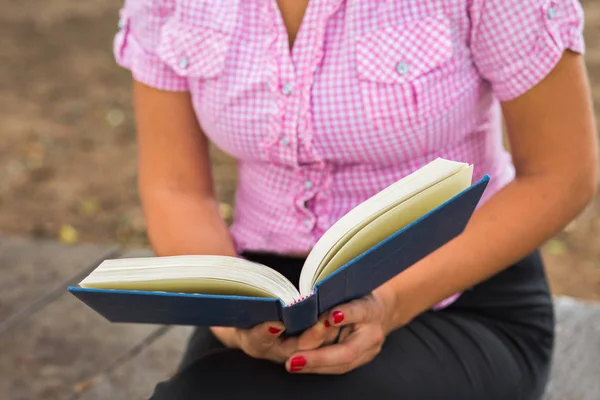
x=397 y=218
x=201 y=274
x=191 y=286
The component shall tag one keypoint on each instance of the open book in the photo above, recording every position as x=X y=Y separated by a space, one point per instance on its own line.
x=375 y=241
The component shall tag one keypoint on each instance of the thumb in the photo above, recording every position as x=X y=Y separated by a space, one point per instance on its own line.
x=316 y=336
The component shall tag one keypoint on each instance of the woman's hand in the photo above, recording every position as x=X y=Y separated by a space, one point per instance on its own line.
x=264 y=341
x=364 y=328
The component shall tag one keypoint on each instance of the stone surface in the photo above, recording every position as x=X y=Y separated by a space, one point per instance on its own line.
x=32 y=270
x=136 y=378
x=56 y=351
x=60 y=347
x=576 y=370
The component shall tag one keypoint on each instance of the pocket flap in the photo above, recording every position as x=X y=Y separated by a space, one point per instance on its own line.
x=401 y=53
x=193 y=51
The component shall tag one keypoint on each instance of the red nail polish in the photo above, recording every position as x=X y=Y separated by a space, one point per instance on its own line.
x=338 y=317
x=297 y=363
x=273 y=330
x=327 y=324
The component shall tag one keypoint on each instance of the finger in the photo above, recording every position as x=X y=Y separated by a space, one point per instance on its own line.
x=317 y=335
x=332 y=336
x=295 y=365
x=263 y=336
x=340 y=369
x=337 y=357
x=282 y=349
x=357 y=311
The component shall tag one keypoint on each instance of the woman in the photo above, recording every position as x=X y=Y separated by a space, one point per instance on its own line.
x=326 y=102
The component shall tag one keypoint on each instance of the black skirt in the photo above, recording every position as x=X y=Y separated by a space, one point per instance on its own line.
x=494 y=342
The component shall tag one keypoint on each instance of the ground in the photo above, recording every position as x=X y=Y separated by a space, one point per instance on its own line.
x=68 y=156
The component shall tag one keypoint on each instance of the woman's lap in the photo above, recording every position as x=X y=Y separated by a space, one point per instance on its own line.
x=437 y=356
x=494 y=343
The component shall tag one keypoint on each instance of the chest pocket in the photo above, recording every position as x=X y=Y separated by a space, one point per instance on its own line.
x=194 y=42
x=401 y=68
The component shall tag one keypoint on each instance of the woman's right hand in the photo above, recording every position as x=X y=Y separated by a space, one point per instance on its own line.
x=264 y=341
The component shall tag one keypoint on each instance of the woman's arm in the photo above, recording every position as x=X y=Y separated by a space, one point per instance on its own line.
x=553 y=139
x=177 y=194
x=553 y=142
x=175 y=181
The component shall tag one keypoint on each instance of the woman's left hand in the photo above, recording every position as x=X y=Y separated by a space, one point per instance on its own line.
x=364 y=323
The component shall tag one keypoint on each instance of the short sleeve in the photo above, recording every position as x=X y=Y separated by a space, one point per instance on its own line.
x=135 y=44
x=516 y=43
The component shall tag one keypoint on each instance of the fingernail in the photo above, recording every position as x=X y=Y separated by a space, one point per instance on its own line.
x=327 y=324
x=297 y=363
x=273 y=330
x=338 y=317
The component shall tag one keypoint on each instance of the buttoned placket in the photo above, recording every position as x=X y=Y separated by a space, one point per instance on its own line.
x=288 y=139
x=290 y=143
x=315 y=169
x=295 y=89
x=285 y=150
x=551 y=13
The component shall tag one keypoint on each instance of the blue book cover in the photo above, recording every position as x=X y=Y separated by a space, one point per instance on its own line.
x=355 y=279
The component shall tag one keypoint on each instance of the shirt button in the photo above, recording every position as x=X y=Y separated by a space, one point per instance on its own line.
x=287 y=88
x=183 y=62
x=285 y=141
x=308 y=184
x=402 y=68
x=121 y=24
x=307 y=223
x=552 y=12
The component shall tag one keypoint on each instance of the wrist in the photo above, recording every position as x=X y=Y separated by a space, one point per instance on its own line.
x=407 y=295
x=387 y=298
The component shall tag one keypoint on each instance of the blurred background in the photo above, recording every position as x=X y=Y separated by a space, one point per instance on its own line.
x=68 y=196
x=68 y=154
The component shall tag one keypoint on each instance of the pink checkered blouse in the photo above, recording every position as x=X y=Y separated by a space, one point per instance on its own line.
x=371 y=91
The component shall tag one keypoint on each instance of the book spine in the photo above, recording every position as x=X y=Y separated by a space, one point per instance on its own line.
x=300 y=315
